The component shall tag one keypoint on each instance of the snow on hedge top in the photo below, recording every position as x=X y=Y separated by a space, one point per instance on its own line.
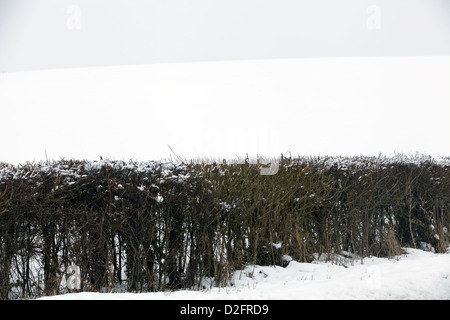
x=73 y=169
x=77 y=169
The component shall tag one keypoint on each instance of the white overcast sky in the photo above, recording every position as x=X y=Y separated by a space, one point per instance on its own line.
x=126 y=79
x=42 y=34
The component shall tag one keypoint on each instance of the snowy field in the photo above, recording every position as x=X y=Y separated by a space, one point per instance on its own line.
x=416 y=275
x=315 y=106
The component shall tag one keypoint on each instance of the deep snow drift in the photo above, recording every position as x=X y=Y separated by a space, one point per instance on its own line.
x=416 y=275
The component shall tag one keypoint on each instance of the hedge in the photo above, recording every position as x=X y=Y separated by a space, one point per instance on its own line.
x=156 y=226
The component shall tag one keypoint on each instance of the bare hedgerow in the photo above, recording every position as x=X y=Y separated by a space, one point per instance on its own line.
x=154 y=226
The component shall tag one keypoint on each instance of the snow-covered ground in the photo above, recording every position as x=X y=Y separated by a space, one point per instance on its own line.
x=316 y=106
x=416 y=275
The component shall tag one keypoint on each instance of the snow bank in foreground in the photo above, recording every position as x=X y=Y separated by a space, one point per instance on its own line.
x=415 y=275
